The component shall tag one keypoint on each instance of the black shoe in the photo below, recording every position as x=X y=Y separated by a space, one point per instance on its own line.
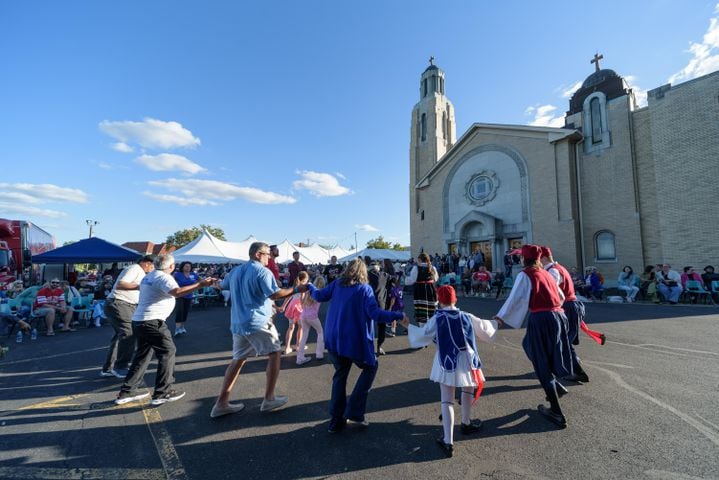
x=169 y=396
x=473 y=426
x=336 y=426
x=446 y=447
x=556 y=418
x=561 y=389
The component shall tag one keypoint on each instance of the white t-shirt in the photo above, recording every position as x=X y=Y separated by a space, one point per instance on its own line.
x=132 y=274
x=155 y=303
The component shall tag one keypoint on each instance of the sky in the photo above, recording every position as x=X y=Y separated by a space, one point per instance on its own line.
x=288 y=120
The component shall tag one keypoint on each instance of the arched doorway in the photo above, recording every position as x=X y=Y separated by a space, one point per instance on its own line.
x=477 y=236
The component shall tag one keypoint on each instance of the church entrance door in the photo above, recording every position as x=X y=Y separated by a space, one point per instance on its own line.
x=486 y=249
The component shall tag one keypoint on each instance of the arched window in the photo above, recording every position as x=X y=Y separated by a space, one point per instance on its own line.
x=604 y=246
x=595 y=124
x=423 y=127
x=596 y=114
x=424 y=87
x=444 y=125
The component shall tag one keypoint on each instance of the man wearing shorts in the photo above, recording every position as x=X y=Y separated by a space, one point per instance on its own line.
x=253 y=290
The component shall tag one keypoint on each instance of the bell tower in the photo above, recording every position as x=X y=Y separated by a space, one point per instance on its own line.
x=433 y=132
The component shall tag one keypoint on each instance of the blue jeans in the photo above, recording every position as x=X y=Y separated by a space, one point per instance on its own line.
x=340 y=408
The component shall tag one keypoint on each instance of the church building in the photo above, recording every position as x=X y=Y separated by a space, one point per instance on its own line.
x=617 y=185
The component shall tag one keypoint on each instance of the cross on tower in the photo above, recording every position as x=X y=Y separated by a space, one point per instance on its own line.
x=597 y=57
x=431 y=60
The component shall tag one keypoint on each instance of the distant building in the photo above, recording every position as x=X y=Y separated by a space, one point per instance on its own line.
x=618 y=185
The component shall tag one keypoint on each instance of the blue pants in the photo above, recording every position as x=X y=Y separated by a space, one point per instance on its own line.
x=547 y=347
x=574 y=310
x=353 y=409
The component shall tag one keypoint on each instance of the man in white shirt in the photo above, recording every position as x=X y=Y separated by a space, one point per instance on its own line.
x=158 y=290
x=119 y=308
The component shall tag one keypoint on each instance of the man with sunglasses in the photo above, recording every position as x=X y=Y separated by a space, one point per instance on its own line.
x=253 y=290
x=50 y=302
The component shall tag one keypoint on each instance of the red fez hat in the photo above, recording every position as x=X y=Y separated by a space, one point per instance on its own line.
x=446 y=295
x=546 y=252
x=531 y=252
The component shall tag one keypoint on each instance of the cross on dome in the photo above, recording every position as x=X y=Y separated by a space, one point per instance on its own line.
x=596 y=59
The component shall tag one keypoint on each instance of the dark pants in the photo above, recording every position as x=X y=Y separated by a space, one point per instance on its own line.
x=182 y=309
x=152 y=336
x=122 y=345
x=381 y=333
x=340 y=408
x=574 y=311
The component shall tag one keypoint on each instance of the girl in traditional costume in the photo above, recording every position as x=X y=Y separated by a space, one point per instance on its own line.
x=456 y=363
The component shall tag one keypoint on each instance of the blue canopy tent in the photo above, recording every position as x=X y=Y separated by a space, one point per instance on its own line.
x=90 y=250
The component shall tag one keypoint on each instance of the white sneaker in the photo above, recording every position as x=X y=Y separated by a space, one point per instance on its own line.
x=268 y=405
x=124 y=397
x=303 y=361
x=230 y=409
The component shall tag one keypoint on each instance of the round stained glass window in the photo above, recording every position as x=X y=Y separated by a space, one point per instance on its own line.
x=482 y=187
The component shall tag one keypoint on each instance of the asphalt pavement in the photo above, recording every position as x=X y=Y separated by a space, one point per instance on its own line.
x=648 y=412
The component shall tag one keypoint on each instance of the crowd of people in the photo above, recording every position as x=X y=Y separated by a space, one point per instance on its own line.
x=365 y=305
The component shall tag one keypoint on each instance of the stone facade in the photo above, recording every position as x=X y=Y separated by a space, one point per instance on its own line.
x=618 y=186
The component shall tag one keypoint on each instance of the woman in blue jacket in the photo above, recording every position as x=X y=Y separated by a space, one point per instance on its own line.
x=349 y=339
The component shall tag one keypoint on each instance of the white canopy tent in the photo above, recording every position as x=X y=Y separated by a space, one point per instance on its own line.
x=209 y=249
x=380 y=254
x=286 y=249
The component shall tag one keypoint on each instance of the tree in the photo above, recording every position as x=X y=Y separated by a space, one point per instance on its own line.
x=382 y=244
x=183 y=237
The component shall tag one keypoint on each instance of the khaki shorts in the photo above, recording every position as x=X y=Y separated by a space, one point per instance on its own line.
x=262 y=342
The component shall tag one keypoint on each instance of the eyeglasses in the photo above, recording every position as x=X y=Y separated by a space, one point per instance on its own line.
x=265 y=253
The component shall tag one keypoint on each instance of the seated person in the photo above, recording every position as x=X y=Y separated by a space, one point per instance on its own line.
x=467 y=281
x=15 y=289
x=690 y=274
x=50 y=301
x=580 y=286
x=498 y=281
x=709 y=276
x=83 y=287
x=628 y=282
x=648 y=284
x=481 y=280
x=669 y=284
x=595 y=283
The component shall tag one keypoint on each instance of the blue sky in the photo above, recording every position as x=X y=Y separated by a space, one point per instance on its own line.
x=287 y=119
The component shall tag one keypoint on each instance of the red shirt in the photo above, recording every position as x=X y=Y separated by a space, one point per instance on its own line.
x=544 y=296
x=481 y=276
x=48 y=296
x=273 y=268
x=566 y=283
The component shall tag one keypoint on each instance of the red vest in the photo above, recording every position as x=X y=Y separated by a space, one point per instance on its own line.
x=566 y=283
x=544 y=296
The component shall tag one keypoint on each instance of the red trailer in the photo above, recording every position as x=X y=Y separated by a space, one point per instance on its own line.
x=19 y=241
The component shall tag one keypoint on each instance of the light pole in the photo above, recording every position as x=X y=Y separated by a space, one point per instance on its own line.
x=91 y=223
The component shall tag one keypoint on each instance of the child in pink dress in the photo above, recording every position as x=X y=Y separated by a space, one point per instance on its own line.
x=310 y=318
x=292 y=308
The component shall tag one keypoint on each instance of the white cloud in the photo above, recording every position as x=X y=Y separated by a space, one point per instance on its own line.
x=169 y=161
x=180 y=200
x=122 y=147
x=42 y=193
x=705 y=55
x=215 y=191
x=320 y=184
x=149 y=133
x=640 y=94
x=544 y=116
x=367 y=228
x=568 y=91
x=338 y=174
x=12 y=209
x=105 y=166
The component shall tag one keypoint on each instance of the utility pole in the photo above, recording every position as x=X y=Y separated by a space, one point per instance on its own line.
x=91 y=223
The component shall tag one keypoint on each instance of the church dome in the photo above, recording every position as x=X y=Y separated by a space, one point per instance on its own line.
x=431 y=67
x=600 y=77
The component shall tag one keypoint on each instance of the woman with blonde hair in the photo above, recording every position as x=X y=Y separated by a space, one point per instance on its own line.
x=349 y=339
